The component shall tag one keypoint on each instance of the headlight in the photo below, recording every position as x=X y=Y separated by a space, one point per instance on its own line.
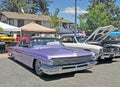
x=94 y=56
x=50 y=62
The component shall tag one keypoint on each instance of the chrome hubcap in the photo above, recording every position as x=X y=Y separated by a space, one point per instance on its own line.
x=38 y=67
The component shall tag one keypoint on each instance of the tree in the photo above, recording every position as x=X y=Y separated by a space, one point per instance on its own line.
x=17 y=5
x=112 y=10
x=27 y=6
x=41 y=6
x=83 y=23
x=97 y=16
x=101 y=13
x=1 y=30
x=55 y=21
x=1 y=9
x=7 y=5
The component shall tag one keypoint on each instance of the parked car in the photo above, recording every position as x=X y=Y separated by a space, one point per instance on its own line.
x=99 y=36
x=92 y=42
x=49 y=56
x=113 y=39
x=76 y=41
x=19 y=38
x=7 y=39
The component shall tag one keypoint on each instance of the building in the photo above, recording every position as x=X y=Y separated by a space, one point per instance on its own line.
x=21 y=19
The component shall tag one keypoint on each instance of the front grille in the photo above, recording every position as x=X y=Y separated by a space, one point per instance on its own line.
x=71 y=60
x=110 y=49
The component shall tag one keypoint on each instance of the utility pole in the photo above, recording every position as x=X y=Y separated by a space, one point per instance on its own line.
x=75 y=16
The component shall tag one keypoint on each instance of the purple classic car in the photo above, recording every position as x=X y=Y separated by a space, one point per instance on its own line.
x=49 y=56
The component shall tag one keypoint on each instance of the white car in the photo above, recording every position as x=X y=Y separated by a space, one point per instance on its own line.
x=72 y=41
x=92 y=42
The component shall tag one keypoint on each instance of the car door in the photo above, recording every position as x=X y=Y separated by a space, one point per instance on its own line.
x=20 y=51
x=26 y=52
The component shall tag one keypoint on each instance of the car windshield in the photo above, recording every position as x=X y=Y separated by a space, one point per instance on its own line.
x=30 y=42
x=45 y=41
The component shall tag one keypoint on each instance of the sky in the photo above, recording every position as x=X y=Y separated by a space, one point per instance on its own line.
x=67 y=8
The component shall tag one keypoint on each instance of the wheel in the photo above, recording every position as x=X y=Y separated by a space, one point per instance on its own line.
x=37 y=68
x=109 y=59
x=99 y=59
x=11 y=56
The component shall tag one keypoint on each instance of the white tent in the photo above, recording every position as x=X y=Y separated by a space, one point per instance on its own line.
x=7 y=27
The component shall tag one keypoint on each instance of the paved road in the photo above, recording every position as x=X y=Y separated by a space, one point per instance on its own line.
x=15 y=74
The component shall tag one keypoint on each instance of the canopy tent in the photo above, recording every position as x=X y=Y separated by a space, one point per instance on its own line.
x=33 y=27
x=7 y=27
x=117 y=33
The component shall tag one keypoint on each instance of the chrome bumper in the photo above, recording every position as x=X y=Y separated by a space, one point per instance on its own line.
x=98 y=55
x=51 y=70
x=117 y=54
x=108 y=54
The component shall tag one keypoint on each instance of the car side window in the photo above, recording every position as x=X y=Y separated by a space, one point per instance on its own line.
x=24 y=43
x=68 y=39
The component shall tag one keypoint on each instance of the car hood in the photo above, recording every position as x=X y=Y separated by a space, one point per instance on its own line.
x=60 y=52
x=100 y=34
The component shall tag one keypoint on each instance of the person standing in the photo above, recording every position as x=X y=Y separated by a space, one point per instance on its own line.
x=2 y=46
